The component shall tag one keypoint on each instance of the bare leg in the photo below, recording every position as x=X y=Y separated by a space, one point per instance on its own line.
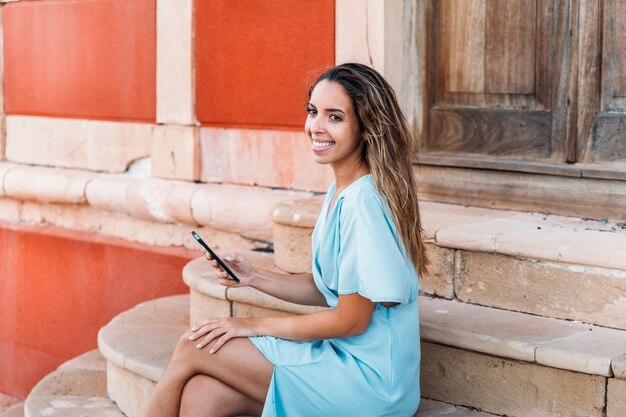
x=238 y=364
x=204 y=396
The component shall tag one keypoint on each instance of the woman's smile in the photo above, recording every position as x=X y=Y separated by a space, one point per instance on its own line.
x=320 y=146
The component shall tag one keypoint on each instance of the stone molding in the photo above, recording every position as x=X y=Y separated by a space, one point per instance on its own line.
x=75 y=143
x=176 y=152
x=72 y=197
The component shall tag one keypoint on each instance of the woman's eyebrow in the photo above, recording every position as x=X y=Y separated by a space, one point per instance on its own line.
x=335 y=110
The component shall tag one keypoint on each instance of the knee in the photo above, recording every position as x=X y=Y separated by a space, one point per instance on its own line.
x=194 y=400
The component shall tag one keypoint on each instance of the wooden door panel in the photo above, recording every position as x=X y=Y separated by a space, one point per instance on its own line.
x=510 y=46
x=495 y=89
x=607 y=141
x=510 y=134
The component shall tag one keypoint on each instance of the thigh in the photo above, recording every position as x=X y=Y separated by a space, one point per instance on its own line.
x=205 y=396
x=238 y=364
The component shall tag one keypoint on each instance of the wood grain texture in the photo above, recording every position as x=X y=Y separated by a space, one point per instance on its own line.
x=511 y=134
x=461 y=45
x=613 y=55
x=609 y=138
x=510 y=46
x=594 y=198
x=588 y=71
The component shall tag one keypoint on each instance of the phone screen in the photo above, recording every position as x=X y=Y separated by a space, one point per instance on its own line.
x=214 y=255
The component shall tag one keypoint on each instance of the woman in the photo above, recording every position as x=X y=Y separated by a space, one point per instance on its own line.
x=361 y=356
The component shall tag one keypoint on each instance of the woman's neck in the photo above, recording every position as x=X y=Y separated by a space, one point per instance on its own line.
x=343 y=178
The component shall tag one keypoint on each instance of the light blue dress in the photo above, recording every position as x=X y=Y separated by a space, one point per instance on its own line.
x=355 y=249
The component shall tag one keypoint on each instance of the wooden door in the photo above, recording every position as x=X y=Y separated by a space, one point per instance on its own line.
x=523 y=85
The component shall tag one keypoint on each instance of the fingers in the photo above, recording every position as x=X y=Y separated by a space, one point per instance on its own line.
x=211 y=330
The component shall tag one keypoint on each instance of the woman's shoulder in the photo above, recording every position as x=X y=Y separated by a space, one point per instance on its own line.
x=363 y=198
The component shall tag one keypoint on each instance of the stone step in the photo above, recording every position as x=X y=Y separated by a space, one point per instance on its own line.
x=76 y=389
x=16 y=410
x=528 y=262
x=134 y=368
x=478 y=356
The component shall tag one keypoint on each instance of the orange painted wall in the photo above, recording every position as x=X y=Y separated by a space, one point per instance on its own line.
x=92 y=59
x=59 y=287
x=253 y=58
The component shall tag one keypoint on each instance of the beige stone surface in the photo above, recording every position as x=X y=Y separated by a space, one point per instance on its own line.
x=619 y=366
x=70 y=406
x=174 y=66
x=430 y=408
x=439 y=280
x=73 y=143
x=176 y=152
x=9 y=210
x=245 y=210
x=299 y=213
x=129 y=390
x=51 y=185
x=5 y=167
x=590 y=352
x=16 y=410
x=162 y=200
x=108 y=192
x=143 y=339
x=437 y=216
x=292 y=248
x=537 y=239
x=248 y=310
x=7 y=401
x=506 y=387
x=202 y=307
x=367 y=31
x=77 y=383
x=272 y=158
x=91 y=360
x=550 y=289
x=502 y=333
x=2 y=128
x=616 y=398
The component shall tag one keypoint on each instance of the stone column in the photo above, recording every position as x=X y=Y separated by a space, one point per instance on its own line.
x=2 y=116
x=371 y=32
x=175 y=140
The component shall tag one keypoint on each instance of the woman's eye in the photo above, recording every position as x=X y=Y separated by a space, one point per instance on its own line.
x=335 y=118
x=311 y=111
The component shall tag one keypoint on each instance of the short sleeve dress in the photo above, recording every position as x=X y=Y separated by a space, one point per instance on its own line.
x=355 y=250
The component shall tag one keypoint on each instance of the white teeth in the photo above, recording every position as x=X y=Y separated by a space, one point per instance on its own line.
x=322 y=145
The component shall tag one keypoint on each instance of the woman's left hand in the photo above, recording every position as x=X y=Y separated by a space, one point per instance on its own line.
x=223 y=329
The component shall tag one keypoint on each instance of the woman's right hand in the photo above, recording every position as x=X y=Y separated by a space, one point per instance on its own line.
x=238 y=264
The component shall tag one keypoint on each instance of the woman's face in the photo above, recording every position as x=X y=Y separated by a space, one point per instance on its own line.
x=332 y=126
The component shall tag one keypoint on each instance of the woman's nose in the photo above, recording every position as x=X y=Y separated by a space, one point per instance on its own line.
x=317 y=125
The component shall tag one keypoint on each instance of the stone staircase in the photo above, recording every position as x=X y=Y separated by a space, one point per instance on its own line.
x=522 y=314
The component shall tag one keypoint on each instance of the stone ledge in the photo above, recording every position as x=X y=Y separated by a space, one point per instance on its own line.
x=16 y=410
x=524 y=235
x=219 y=206
x=199 y=276
x=537 y=236
x=142 y=338
x=554 y=343
x=76 y=388
x=50 y=185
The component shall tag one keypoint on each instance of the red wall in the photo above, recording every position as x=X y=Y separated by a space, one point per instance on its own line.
x=86 y=59
x=253 y=58
x=59 y=287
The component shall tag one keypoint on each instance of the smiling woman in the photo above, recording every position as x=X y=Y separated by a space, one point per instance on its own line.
x=360 y=357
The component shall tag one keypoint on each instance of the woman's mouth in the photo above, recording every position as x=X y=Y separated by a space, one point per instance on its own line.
x=320 y=146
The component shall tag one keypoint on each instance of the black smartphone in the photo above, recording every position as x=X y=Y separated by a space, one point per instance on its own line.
x=214 y=255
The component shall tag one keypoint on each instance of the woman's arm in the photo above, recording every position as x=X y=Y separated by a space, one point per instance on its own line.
x=351 y=317
x=294 y=288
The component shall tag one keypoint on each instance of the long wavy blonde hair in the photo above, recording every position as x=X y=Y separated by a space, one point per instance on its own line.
x=386 y=150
